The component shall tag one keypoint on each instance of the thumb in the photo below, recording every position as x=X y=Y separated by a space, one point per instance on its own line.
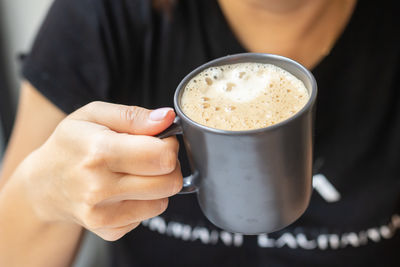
x=127 y=119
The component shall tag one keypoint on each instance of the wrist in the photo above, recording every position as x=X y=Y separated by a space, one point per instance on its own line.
x=27 y=187
x=21 y=229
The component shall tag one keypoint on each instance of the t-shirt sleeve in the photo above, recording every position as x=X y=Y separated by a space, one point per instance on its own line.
x=72 y=61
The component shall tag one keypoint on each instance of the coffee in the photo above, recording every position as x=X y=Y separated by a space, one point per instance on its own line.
x=243 y=96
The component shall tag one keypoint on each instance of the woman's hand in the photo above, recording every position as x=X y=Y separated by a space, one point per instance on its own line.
x=102 y=169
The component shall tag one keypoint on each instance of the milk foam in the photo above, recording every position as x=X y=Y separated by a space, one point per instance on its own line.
x=243 y=96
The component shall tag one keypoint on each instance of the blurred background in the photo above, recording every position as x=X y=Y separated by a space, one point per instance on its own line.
x=19 y=23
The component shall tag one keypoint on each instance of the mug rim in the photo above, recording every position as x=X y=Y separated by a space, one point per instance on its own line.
x=231 y=59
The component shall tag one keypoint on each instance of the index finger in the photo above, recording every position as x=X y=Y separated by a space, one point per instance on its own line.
x=140 y=154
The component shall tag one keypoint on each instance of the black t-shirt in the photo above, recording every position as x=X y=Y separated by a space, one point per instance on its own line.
x=124 y=51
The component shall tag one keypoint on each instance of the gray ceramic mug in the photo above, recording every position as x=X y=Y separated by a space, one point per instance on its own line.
x=254 y=181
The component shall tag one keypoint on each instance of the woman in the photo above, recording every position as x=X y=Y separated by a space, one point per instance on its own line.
x=72 y=166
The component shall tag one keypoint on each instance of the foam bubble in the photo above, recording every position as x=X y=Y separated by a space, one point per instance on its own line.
x=243 y=96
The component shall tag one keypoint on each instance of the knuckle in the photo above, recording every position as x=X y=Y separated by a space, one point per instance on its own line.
x=154 y=208
x=174 y=142
x=86 y=109
x=174 y=181
x=62 y=128
x=168 y=159
x=178 y=184
x=88 y=220
x=92 y=106
x=163 y=205
x=94 y=194
x=95 y=220
x=131 y=113
x=97 y=153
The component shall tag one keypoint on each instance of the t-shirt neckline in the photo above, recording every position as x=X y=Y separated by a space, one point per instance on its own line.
x=223 y=29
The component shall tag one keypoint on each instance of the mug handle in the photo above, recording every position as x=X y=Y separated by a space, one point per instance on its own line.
x=188 y=181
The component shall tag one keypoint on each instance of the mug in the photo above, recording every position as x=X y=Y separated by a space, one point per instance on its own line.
x=253 y=181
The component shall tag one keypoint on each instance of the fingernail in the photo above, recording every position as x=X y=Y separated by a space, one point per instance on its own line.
x=159 y=114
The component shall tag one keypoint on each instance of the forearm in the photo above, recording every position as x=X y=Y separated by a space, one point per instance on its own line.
x=25 y=240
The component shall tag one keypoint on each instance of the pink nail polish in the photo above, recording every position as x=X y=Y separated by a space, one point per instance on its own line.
x=159 y=114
